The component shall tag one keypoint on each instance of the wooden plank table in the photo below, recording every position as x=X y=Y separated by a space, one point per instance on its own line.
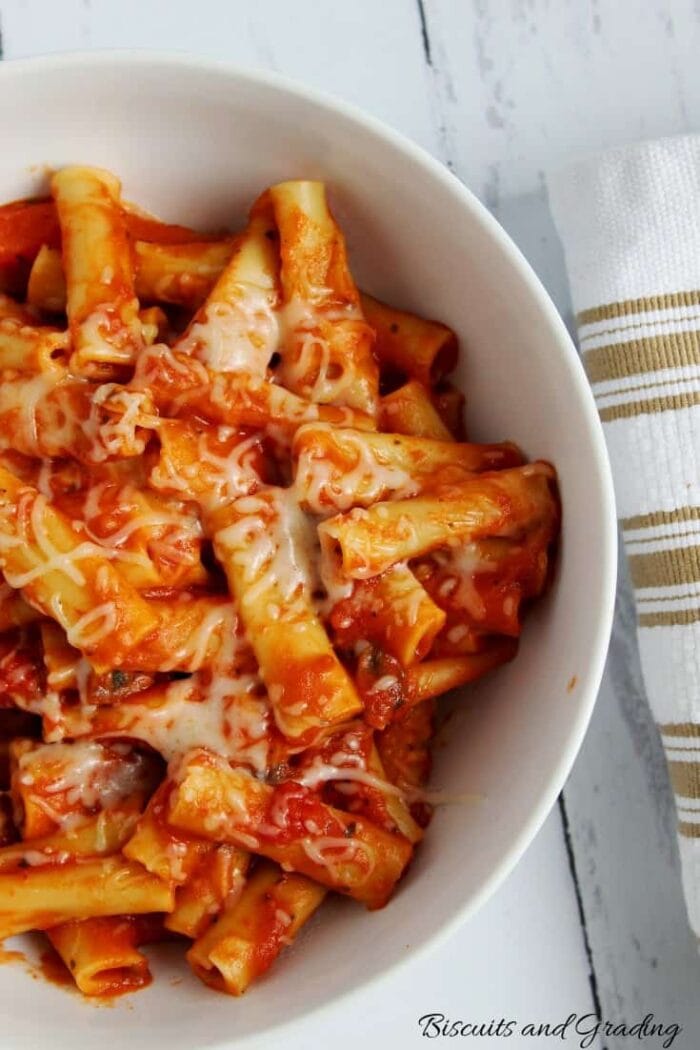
x=592 y=920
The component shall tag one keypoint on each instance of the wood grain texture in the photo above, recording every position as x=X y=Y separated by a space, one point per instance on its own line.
x=555 y=82
x=367 y=53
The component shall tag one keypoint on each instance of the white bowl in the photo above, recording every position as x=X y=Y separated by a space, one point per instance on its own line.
x=195 y=142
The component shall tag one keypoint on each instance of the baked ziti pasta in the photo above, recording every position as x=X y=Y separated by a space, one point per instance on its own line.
x=244 y=547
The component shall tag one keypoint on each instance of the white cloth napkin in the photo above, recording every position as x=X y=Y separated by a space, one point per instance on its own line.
x=630 y=223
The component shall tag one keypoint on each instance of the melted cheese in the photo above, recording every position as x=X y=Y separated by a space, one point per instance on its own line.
x=44 y=477
x=459 y=566
x=236 y=336
x=344 y=851
x=320 y=772
x=275 y=546
x=230 y=719
x=155 y=359
x=94 y=626
x=258 y=395
x=177 y=523
x=35 y=858
x=337 y=586
x=228 y=476
x=128 y=410
x=86 y=773
x=211 y=479
x=326 y=488
x=409 y=606
x=309 y=361
x=220 y=621
x=99 y=340
x=457 y=633
x=48 y=557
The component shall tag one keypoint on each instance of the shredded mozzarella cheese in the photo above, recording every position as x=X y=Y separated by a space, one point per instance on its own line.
x=275 y=546
x=309 y=363
x=325 y=487
x=88 y=775
x=236 y=336
x=320 y=772
x=48 y=557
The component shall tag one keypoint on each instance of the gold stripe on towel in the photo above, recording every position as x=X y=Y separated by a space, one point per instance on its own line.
x=660 y=517
x=650 y=407
x=667 y=568
x=675 y=618
x=640 y=356
x=679 y=728
x=687 y=830
x=685 y=778
x=609 y=311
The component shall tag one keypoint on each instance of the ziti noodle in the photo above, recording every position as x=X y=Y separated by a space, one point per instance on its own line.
x=244 y=547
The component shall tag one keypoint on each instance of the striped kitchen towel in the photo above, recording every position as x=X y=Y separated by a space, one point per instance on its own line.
x=630 y=223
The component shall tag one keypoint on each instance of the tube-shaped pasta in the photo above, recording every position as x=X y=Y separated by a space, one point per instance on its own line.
x=66 y=577
x=336 y=468
x=407 y=620
x=28 y=224
x=397 y=809
x=409 y=410
x=154 y=539
x=434 y=677
x=183 y=274
x=217 y=881
x=37 y=898
x=58 y=784
x=482 y=584
x=177 y=382
x=449 y=403
x=266 y=549
x=53 y=414
x=407 y=344
x=101 y=304
x=62 y=662
x=394 y=611
x=506 y=503
x=164 y=852
x=205 y=465
x=102 y=955
x=236 y=330
x=288 y=824
x=233 y=578
x=327 y=344
x=253 y=930
x=26 y=346
x=348 y=769
x=96 y=836
x=46 y=288
x=191 y=632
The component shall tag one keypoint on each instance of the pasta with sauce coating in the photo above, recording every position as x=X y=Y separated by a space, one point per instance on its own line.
x=244 y=547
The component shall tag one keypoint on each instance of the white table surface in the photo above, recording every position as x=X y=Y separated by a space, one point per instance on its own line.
x=592 y=919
